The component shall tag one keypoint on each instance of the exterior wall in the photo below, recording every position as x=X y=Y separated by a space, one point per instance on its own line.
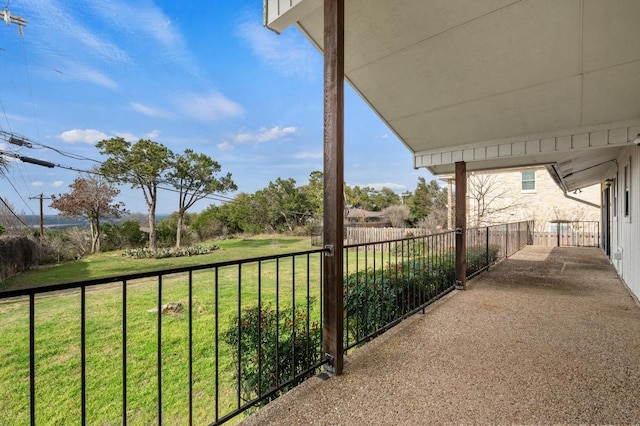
x=625 y=230
x=506 y=201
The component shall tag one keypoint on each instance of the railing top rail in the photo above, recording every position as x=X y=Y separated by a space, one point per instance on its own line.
x=6 y=294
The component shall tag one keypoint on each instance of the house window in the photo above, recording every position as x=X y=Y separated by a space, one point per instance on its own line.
x=529 y=180
x=627 y=189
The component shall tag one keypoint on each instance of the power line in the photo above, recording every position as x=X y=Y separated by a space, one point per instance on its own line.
x=19 y=195
x=13 y=213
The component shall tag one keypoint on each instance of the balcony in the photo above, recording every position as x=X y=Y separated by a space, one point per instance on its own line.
x=548 y=336
x=222 y=339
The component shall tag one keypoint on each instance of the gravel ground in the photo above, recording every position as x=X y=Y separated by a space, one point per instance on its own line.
x=549 y=336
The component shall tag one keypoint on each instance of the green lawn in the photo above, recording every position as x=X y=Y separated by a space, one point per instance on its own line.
x=114 y=264
x=215 y=307
x=58 y=329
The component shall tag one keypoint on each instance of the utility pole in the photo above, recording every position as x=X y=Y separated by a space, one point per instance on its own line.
x=41 y=197
x=8 y=18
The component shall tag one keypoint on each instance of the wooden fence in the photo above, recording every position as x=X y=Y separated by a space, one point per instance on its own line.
x=372 y=235
x=571 y=234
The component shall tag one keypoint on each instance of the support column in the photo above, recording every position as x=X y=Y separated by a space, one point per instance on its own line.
x=461 y=225
x=449 y=204
x=333 y=226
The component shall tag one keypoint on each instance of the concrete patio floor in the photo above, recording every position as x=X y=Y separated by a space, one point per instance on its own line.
x=549 y=336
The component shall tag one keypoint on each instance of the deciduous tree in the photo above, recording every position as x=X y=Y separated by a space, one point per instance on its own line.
x=142 y=165
x=397 y=214
x=194 y=176
x=91 y=197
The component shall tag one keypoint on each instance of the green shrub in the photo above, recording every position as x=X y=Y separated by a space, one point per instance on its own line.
x=126 y=235
x=477 y=257
x=275 y=346
x=163 y=253
x=374 y=298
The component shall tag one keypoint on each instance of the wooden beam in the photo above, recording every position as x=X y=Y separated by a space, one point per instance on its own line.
x=333 y=316
x=461 y=225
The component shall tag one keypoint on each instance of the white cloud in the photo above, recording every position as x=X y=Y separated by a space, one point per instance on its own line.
x=149 y=111
x=286 y=53
x=208 y=107
x=265 y=135
x=37 y=184
x=91 y=76
x=90 y=136
x=152 y=134
x=224 y=145
x=150 y=22
x=308 y=155
x=393 y=186
x=57 y=183
x=66 y=35
x=127 y=136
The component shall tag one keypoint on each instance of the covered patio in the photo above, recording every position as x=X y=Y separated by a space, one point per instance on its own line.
x=550 y=335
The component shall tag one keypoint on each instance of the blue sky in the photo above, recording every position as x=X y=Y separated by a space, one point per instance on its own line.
x=204 y=75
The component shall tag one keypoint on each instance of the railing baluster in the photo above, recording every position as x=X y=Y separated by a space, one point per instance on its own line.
x=277 y=321
x=159 y=355
x=190 y=347
x=239 y=384
x=32 y=359
x=124 y=352
x=260 y=327
x=83 y=357
x=308 y=337
x=216 y=314
x=293 y=316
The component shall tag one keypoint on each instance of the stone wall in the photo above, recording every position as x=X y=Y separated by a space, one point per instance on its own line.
x=544 y=204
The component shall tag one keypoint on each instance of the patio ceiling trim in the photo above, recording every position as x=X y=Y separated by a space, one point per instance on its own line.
x=540 y=150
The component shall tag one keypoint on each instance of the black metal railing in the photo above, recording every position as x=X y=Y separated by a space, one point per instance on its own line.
x=487 y=245
x=388 y=281
x=191 y=345
x=203 y=344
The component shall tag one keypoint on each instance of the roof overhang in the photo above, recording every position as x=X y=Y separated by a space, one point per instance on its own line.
x=494 y=83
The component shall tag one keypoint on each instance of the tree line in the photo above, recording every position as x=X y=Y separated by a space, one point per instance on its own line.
x=282 y=206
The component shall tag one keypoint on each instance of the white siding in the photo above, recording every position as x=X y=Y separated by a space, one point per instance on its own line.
x=625 y=231
x=280 y=14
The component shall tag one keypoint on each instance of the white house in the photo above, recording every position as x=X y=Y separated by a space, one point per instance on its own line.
x=484 y=85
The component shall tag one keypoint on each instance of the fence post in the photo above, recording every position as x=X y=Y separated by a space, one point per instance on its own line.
x=486 y=249
x=506 y=240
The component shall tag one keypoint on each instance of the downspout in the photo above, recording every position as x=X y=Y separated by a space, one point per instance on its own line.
x=588 y=203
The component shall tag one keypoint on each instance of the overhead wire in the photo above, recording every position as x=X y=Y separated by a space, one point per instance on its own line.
x=14 y=213
x=19 y=195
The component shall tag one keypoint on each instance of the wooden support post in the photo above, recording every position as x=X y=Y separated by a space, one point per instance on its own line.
x=449 y=204
x=333 y=226
x=461 y=225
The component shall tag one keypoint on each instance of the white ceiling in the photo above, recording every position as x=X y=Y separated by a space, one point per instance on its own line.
x=492 y=82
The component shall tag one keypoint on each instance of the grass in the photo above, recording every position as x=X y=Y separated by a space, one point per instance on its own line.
x=57 y=322
x=215 y=307
x=114 y=264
